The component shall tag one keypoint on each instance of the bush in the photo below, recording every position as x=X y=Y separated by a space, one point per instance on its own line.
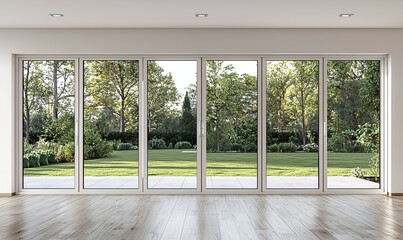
x=125 y=146
x=170 y=146
x=236 y=147
x=26 y=161
x=311 y=147
x=33 y=159
x=287 y=147
x=183 y=145
x=358 y=172
x=282 y=147
x=273 y=148
x=43 y=157
x=156 y=143
x=115 y=144
x=95 y=146
x=51 y=157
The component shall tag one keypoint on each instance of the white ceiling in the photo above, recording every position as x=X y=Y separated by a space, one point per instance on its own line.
x=180 y=13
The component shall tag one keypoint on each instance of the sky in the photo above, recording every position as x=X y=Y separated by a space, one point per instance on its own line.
x=184 y=72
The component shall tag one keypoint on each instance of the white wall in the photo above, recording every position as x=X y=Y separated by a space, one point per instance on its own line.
x=200 y=41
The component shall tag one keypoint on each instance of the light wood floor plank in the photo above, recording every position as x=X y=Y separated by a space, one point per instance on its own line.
x=191 y=217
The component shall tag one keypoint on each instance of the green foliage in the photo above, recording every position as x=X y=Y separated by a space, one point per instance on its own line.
x=311 y=147
x=33 y=159
x=26 y=161
x=358 y=172
x=65 y=153
x=293 y=139
x=156 y=143
x=126 y=146
x=282 y=147
x=60 y=130
x=115 y=144
x=43 y=157
x=368 y=136
x=95 y=146
x=183 y=145
x=188 y=120
x=374 y=165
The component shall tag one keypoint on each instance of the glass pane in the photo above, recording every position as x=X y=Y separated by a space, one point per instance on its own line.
x=172 y=124
x=111 y=124
x=292 y=127
x=231 y=124
x=48 y=124
x=353 y=124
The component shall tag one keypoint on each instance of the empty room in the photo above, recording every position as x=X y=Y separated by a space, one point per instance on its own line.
x=187 y=120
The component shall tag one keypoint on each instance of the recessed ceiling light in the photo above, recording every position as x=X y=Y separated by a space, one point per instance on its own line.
x=56 y=15
x=346 y=15
x=201 y=15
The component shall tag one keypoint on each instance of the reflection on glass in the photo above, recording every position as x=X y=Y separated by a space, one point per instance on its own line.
x=353 y=124
x=111 y=124
x=231 y=124
x=172 y=128
x=292 y=125
x=48 y=124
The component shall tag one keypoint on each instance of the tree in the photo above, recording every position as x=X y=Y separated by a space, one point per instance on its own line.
x=231 y=104
x=304 y=94
x=162 y=100
x=188 y=120
x=278 y=83
x=112 y=85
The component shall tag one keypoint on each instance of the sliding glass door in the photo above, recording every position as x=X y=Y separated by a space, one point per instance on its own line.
x=231 y=124
x=353 y=123
x=48 y=123
x=172 y=116
x=111 y=123
x=292 y=124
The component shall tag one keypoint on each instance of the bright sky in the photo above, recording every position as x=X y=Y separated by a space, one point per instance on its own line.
x=184 y=72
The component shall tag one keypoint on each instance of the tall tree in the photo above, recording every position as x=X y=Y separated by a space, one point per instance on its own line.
x=188 y=120
x=113 y=85
x=162 y=99
x=304 y=94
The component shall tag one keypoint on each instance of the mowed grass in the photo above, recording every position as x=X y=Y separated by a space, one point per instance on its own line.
x=173 y=162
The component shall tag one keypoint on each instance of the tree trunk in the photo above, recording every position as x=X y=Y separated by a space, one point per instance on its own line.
x=122 y=116
x=303 y=118
x=217 y=134
x=26 y=102
x=55 y=94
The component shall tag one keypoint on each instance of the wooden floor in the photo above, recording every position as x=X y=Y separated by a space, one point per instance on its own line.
x=201 y=217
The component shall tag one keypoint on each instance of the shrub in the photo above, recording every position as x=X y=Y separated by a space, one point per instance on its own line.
x=60 y=130
x=33 y=159
x=51 y=157
x=43 y=157
x=236 y=147
x=358 y=172
x=374 y=165
x=125 y=146
x=170 y=146
x=115 y=144
x=293 y=139
x=282 y=147
x=183 y=145
x=311 y=147
x=95 y=146
x=156 y=143
x=287 y=147
x=273 y=148
x=26 y=161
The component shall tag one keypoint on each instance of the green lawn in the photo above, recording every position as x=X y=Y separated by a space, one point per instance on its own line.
x=178 y=163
